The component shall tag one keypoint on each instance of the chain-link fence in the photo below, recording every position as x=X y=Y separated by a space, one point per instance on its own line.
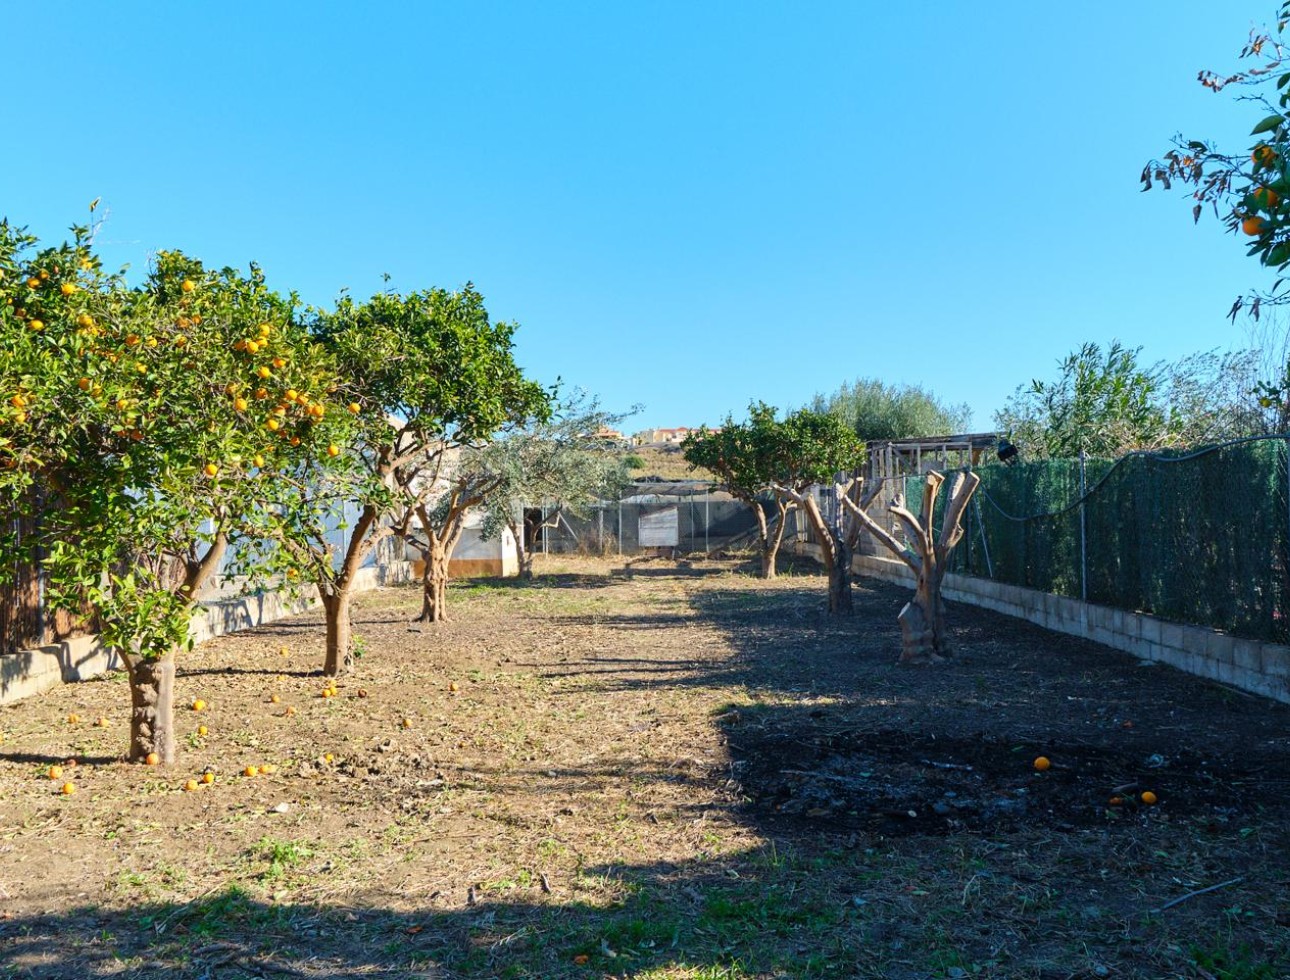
x=690 y=523
x=1200 y=537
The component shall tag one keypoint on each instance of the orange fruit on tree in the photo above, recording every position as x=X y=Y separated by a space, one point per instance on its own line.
x=1266 y=197
x=152 y=759
x=258 y=460
x=210 y=469
x=261 y=393
x=33 y=283
x=132 y=340
x=291 y=394
x=181 y=340
x=333 y=450
x=265 y=330
x=85 y=321
x=1042 y=764
x=272 y=425
x=83 y=384
x=1263 y=155
x=1148 y=798
x=279 y=362
x=263 y=371
x=1253 y=225
x=188 y=285
x=37 y=325
x=67 y=288
x=355 y=407
x=252 y=347
x=240 y=404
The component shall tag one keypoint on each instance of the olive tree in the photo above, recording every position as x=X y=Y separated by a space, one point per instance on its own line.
x=561 y=460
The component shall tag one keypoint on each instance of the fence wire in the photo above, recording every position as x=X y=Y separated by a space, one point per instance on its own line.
x=1201 y=537
x=704 y=523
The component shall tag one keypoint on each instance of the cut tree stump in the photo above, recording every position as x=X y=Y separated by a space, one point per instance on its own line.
x=922 y=621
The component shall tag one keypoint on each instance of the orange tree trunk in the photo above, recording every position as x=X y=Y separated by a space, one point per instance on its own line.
x=836 y=558
x=152 y=708
x=340 y=640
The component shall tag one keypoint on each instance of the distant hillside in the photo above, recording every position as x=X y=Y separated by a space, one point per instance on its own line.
x=664 y=461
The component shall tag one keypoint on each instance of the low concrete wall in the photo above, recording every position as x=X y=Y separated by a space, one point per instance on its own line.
x=34 y=671
x=37 y=670
x=1251 y=665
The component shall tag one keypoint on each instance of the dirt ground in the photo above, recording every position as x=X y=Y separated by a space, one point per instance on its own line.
x=659 y=770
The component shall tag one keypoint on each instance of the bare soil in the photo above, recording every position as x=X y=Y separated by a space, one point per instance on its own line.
x=662 y=770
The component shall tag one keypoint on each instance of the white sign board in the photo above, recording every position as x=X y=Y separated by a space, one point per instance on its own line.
x=660 y=528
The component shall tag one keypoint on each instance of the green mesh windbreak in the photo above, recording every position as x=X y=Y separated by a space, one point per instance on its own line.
x=1199 y=537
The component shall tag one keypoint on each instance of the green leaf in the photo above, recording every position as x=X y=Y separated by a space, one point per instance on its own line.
x=1278 y=254
x=1268 y=124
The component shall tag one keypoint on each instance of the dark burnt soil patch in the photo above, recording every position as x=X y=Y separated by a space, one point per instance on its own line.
x=901 y=783
x=850 y=740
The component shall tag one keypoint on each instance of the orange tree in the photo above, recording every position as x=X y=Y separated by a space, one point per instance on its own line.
x=153 y=419
x=423 y=376
x=1247 y=191
x=746 y=458
x=813 y=447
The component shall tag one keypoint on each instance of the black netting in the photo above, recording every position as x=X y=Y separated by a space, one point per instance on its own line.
x=1199 y=538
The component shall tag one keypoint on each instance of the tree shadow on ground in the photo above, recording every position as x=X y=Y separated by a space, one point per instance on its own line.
x=757 y=911
x=831 y=745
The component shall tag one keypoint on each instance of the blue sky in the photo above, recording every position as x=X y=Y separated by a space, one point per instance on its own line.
x=687 y=205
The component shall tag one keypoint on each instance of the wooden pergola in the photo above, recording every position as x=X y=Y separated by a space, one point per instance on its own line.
x=910 y=457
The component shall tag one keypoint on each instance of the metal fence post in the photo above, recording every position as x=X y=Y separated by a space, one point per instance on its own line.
x=707 y=520
x=620 y=526
x=1083 y=538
